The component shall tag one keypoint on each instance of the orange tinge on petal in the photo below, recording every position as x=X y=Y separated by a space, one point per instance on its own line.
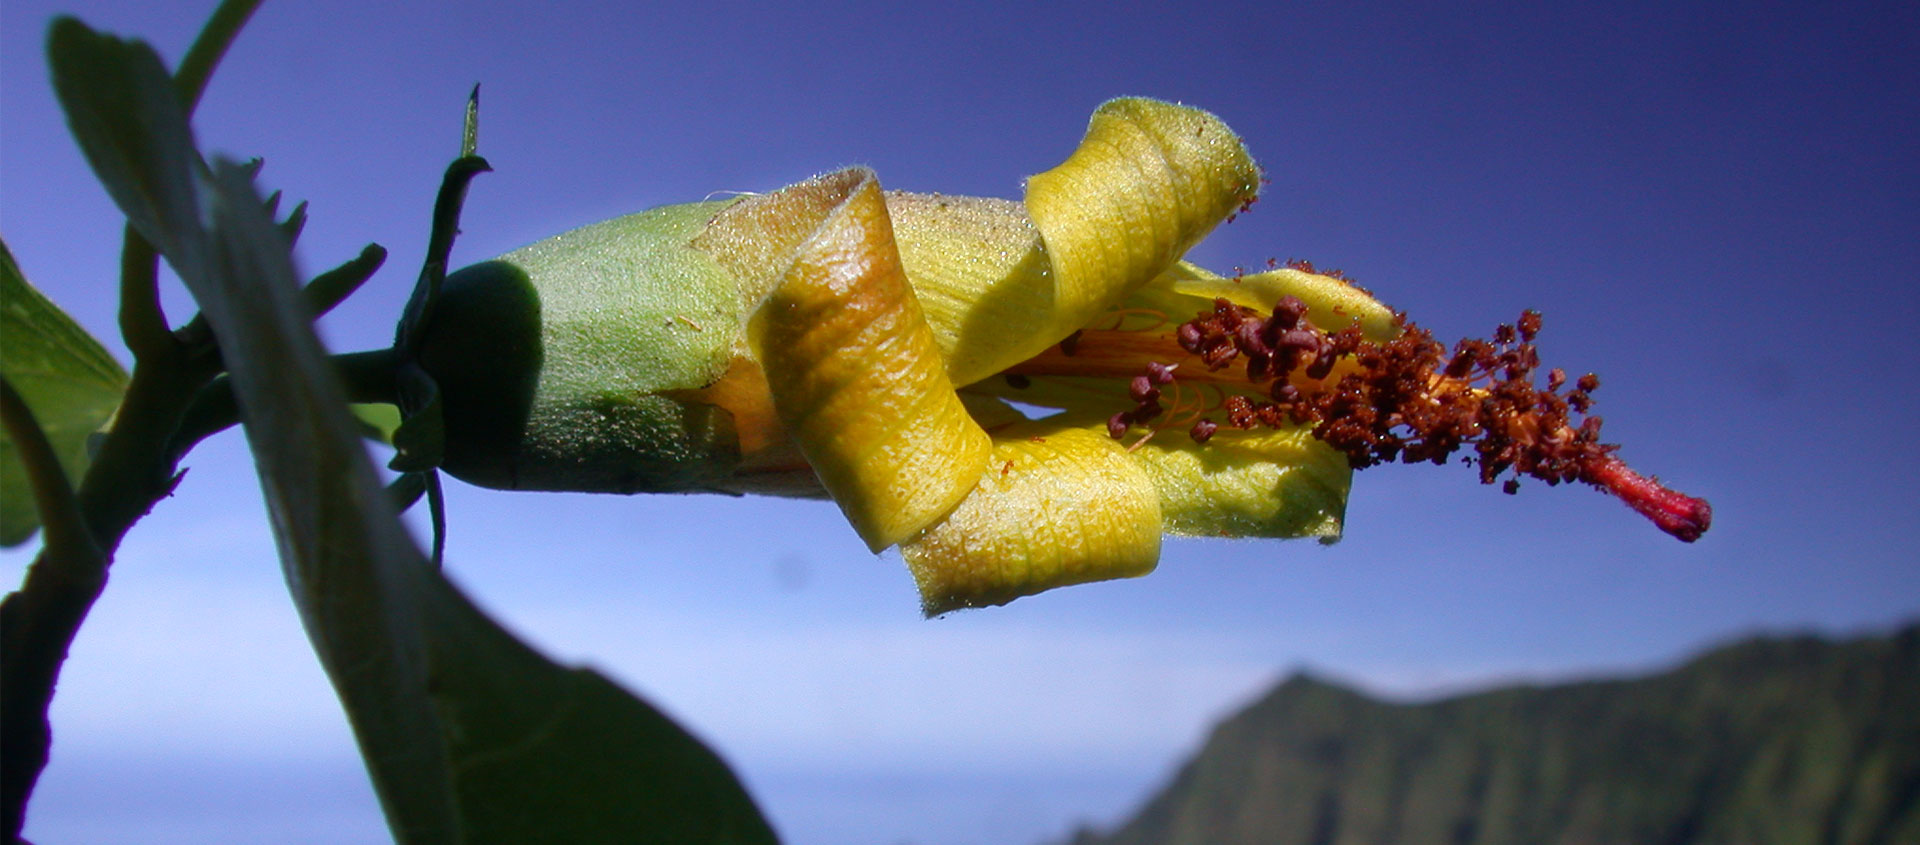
x=852 y=367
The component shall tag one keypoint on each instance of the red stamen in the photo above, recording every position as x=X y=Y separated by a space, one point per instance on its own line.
x=1406 y=400
x=1674 y=512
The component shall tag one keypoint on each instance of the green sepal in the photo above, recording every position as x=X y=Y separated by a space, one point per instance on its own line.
x=570 y=364
x=419 y=443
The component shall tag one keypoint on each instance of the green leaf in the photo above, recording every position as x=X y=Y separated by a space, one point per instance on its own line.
x=470 y=735
x=124 y=112
x=66 y=377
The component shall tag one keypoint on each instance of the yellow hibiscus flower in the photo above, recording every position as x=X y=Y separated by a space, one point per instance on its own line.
x=1019 y=395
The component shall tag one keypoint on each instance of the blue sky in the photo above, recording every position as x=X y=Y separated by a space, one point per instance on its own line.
x=1716 y=209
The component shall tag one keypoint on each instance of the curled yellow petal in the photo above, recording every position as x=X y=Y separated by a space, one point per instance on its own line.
x=982 y=277
x=1002 y=281
x=1058 y=506
x=1149 y=180
x=852 y=367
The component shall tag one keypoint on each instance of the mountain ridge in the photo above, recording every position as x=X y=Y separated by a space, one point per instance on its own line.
x=1773 y=739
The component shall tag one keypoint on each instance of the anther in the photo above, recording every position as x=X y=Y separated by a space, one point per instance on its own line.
x=1259 y=367
x=1461 y=364
x=1239 y=412
x=1249 y=341
x=1288 y=311
x=1302 y=340
x=1142 y=389
x=1529 y=325
x=1189 y=336
x=1203 y=430
x=1322 y=365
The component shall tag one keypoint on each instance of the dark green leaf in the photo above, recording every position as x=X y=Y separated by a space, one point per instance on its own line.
x=470 y=735
x=67 y=379
x=126 y=116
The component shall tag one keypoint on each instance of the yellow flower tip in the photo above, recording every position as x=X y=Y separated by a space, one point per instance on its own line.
x=1149 y=180
x=1058 y=506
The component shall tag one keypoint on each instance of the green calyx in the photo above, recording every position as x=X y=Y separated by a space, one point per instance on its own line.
x=564 y=365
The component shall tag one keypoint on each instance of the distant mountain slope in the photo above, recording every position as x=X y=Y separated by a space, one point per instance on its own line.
x=1775 y=740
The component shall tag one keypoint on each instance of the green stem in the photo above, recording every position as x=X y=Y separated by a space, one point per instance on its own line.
x=133 y=470
x=190 y=80
x=143 y=325
x=38 y=622
x=367 y=377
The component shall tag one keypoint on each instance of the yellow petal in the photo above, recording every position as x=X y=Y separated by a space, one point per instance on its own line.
x=981 y=275
x=1256 y=483
x=1149 y=180
x=1259 y=483
x=1332 y=303
x=852 y=367
x=1058 y=506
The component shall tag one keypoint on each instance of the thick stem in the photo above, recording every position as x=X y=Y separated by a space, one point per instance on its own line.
x=133 y=470
x=61 y=585
x=172 y=402
x=38 y=622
